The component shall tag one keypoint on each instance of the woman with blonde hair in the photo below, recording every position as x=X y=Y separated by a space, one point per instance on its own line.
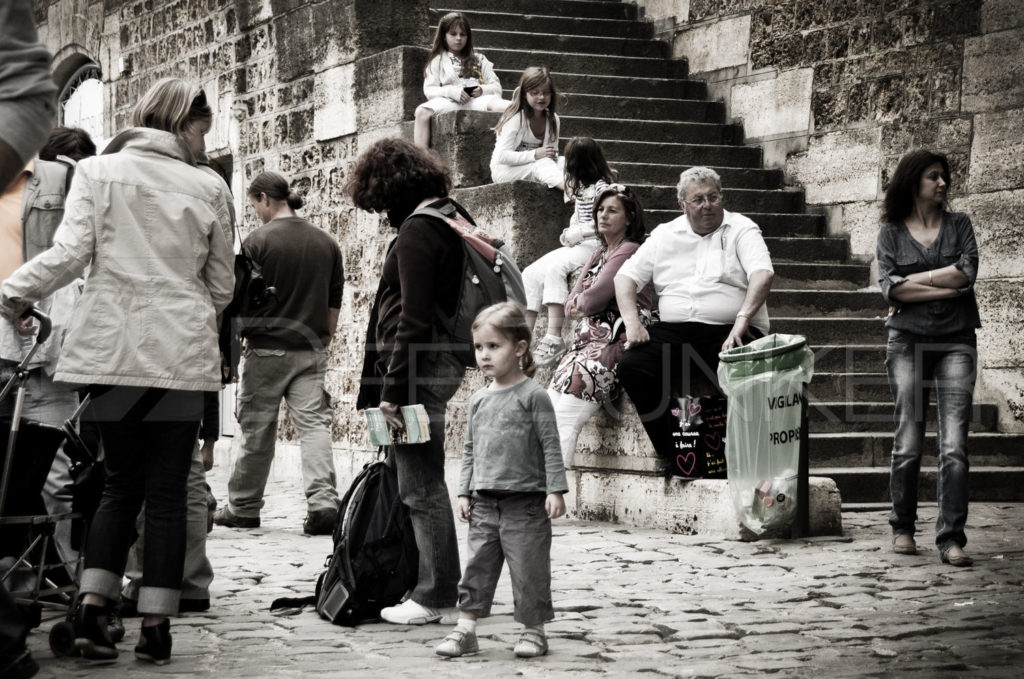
x=150 y=228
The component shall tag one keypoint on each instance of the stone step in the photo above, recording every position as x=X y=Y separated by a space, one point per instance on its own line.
x=574 y=62
x=631 y=173
x=814 y=276
x=602 y=9
x=772 y=224
x=820 y=249
x=575 y=125
x=871 y=484
x=849 y=358
x=613 y=85
x=808 y=303
x=737 y=200
x=683 y=155
x=848 y=387
x=833 y=329
x=624 y=107
x=874 y=449
x=546 y=23
x=839 y=417
x=580 y=44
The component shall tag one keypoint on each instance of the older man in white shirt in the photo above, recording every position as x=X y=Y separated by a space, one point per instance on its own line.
x=712 y=272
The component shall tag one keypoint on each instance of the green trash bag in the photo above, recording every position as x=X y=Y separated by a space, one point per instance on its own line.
x=764 y=384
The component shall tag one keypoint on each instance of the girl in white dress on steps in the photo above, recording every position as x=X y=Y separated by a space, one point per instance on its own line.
x=457 y=78
x=527 y=143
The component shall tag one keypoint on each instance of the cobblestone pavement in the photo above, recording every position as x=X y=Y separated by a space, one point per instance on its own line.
x=628 y=601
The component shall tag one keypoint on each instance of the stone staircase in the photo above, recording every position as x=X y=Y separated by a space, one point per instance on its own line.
x=623 y=89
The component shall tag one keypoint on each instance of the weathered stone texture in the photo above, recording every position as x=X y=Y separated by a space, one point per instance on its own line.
x=999 y=15
x=997 y=217
x=1001 y=336
x=839 y=167
x=994 y=71
x=774 y=107
x=997 y=151
x=712 y=46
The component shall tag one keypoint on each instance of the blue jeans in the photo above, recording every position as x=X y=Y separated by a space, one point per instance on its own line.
x=421 y=484
x=148 y=437
x=916 y=366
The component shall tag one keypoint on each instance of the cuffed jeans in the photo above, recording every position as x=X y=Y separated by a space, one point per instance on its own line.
x=268 y=375
x=198 y=573
x=421 y=483
x=916 y=365
x=148 y=438
x=513 y=528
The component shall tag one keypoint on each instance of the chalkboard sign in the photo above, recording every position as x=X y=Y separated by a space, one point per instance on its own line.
x=698 y=440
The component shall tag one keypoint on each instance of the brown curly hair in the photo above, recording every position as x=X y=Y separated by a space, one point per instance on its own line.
x=395 y=172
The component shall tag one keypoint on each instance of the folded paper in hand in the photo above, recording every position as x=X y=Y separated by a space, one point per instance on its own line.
x=417 y=429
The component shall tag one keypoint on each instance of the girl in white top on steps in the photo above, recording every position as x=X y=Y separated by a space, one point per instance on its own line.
x=546 y=280
x=527 y=144
x=456 y=77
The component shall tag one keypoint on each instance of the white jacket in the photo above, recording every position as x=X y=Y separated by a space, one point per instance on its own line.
x=149 y=227
x=442 y=78
x=511 y=136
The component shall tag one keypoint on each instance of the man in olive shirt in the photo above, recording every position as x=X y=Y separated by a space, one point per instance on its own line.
x=285 y=356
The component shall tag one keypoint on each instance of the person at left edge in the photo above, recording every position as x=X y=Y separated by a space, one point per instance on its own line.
x=148 y=224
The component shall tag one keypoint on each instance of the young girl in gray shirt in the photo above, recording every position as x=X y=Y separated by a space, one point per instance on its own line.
x=511 y=486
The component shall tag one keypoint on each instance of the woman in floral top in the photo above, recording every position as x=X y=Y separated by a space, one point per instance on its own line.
x=585 y=378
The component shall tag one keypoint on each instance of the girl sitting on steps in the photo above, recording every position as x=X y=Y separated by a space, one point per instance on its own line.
x=546 y=280
x=527 y=144
x=456 y=77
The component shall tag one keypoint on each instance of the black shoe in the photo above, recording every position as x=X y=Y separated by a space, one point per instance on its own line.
x=115 y=625
x=129 y=608
x=91 y=638
x=155 y=645
x=23 y=667
x=224 y=517
x=193 y=605
x=320 y=522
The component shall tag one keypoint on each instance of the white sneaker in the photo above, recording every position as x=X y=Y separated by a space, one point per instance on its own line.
x=411 y=613
x=549 y=350
x=458 y=643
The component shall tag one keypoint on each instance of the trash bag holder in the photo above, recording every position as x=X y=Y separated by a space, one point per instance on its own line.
x=775 y=353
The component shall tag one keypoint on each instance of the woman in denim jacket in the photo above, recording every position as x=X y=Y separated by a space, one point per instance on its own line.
x=927 y=265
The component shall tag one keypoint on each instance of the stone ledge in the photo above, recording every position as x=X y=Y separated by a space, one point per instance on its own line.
x=635 y=498
x=697 y=507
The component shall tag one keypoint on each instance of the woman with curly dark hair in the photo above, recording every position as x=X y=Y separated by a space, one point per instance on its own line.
x=407 y=361
x=927 y=265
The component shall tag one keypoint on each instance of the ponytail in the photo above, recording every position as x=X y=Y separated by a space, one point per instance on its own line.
x=275 y=187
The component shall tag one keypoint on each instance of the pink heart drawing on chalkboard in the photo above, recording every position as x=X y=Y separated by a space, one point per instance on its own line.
x=675 y=412
x=714 y=440
x=686 y=462
x=694 y=409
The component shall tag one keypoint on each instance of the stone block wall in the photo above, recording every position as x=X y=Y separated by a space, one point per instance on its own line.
x=836 y=92
x=297 y=86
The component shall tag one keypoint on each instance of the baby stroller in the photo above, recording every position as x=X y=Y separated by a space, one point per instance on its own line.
x=31 y=571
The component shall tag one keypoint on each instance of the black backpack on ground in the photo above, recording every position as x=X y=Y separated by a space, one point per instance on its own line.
x=375 y=560
x=489 y=276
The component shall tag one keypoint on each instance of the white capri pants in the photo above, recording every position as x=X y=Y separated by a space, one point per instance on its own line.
x=444 y=104
x=571 y=414
x=547 y=280
x=546 y=171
